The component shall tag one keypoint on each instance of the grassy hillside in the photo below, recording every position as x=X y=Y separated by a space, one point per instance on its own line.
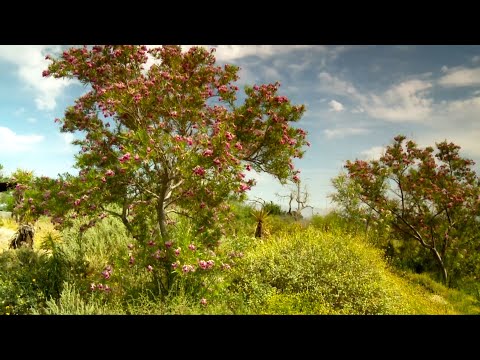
x=296 y=270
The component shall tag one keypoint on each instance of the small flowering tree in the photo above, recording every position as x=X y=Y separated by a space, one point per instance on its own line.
x=171 y=139
x=430 y=197
x=168 y=141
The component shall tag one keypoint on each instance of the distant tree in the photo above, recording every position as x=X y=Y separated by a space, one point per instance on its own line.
x=300 y=197
x=431 y=197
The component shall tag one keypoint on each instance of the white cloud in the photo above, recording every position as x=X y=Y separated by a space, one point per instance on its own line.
x=335 y=106
x=234 y=52
x=10 y=142
x=460 y=77
x=30 y=61
x=374 y=153
x=334 y=85
x=475 y=59
x=31 y=120
x=407 y=101
x=67 y=139
x=344 y=132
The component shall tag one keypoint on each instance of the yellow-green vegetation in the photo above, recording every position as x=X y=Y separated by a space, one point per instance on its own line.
x=314 y=272
x=298 y=269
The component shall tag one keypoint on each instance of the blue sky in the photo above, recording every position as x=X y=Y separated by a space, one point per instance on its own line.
x=357 y=97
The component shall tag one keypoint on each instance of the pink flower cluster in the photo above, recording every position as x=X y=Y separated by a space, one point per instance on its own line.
x=188 y=268
x=124 y=157
x=107 y=272
x=206 y=264
x=198 y=170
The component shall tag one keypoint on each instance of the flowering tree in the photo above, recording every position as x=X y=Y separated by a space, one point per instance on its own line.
x=171 y=139
x=431 y=198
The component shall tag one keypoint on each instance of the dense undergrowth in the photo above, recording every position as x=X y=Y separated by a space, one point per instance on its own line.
x=316 y=267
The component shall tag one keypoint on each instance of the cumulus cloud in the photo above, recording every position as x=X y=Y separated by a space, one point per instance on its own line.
x=30 y=62
x=407 y=101
x=460 y=77
x=10 y=142
x=344 y=132
x=335 y=106
x=234 y=52
x=374 y=153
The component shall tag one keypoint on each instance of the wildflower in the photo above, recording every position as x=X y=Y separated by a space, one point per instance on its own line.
x=226 y=267
x=210 y=264
x=109 y=173
x=229 y=136
x=198 y=170
x=168 y=244
x=151 y=243
x=107 y=288
x=130 y=246
x=131 y=261
x=177 y=251
x=77 y=202
x=203 y=301
x=248 y=167
x=93 y=286
x=203 y=264
x=106 y=274
x=149 y=267
x=192 y=247
x=239 y=146
x=174 y=265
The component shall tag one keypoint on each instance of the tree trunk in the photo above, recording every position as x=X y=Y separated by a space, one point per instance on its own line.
x=162 y=221
x=441 y=264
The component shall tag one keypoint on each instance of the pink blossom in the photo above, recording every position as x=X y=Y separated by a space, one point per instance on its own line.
x=192 y=247
x=45 y=73
x=229 y=136
x=109 y=173
x=151 y=243
x=255 y=87
x=216 y=161
x=248 y=167
x=104 y=179
x=239 y=146
x=106 y=274
x=244 y=187
x=77 y=202
x=131 y=261
x=149 y=267
x=177 y=251
x=137 y=158
x=174 y=265
x=210 y=264
x=296 y=178
x=223 y=89
x=198 y=170
x=93 y=286
x=168 y=244
x=203 y=301
x=203 y=264
x=207 y=153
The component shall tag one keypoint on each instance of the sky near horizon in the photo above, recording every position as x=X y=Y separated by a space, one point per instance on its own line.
x=357 y=99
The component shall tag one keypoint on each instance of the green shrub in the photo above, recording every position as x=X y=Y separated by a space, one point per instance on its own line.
x=312 y=272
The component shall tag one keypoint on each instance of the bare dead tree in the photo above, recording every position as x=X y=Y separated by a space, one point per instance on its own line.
x=301 y=197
